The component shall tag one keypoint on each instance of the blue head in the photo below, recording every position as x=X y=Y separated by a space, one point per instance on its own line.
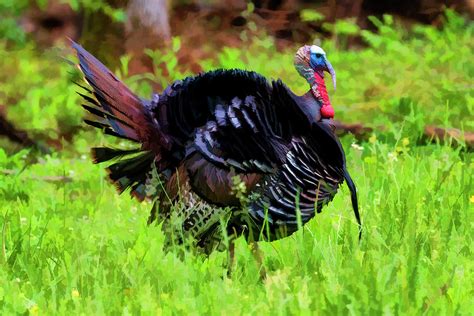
x=319 y=62
x=311 y=60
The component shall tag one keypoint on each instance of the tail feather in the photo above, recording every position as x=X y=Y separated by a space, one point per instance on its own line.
x=129 y=170
x=106 y=129
x=83 y=87
x=119 y=112
x=355 y=204
x=131 y=173
x=111 y=99
x=103 y=154
x=107 y=116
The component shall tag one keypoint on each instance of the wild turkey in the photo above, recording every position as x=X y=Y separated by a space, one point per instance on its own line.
x=205 y=135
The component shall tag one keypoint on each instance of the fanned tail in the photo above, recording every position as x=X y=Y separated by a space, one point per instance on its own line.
x=118 y=108
x=119 y=112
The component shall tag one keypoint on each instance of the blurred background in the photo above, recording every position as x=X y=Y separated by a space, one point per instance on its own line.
x=404 y=63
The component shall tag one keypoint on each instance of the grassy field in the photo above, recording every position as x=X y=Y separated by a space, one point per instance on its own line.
x=70 y=244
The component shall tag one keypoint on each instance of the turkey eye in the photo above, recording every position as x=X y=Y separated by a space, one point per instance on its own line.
x=318 y=55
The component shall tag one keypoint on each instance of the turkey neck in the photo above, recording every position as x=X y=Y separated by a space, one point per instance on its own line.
x=318 y=89
x=316 y=100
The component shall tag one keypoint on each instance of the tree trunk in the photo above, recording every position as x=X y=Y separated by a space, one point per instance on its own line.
x=147 y=27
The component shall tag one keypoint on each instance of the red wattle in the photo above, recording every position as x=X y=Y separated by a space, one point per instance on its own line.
x=321 y=94
x=327 y=111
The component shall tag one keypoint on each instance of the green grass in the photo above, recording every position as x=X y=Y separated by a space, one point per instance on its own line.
x=78 y=247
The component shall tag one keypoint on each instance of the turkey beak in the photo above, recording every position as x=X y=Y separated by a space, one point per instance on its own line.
x=331 y=71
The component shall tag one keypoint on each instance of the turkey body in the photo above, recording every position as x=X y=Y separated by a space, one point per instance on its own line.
x=206 y=135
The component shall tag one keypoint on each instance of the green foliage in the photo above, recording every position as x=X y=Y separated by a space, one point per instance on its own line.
x=70 y=244
x=310 y=15
x=342 y=27
x=117 y=14
x=429 y=69
x=39 y=91
x=9 y=13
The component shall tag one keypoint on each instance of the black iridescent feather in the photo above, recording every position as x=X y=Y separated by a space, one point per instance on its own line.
x=206 y=132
